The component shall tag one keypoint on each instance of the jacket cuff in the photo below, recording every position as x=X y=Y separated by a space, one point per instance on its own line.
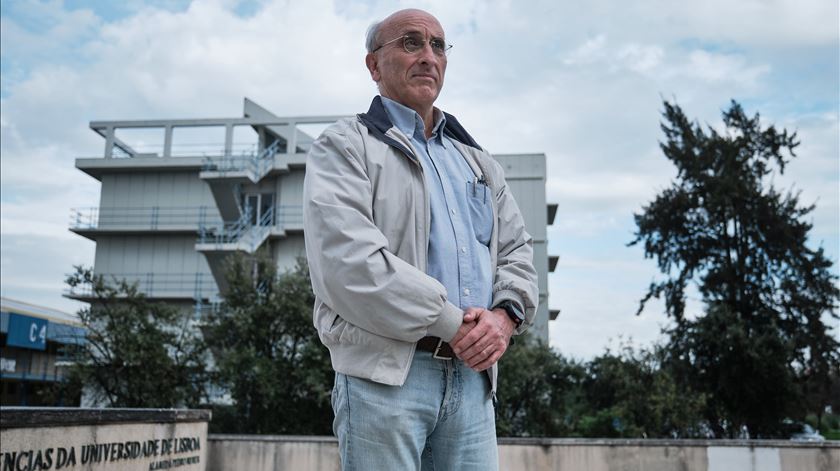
x=514 y=297
x=449 y=320
x=508 y=295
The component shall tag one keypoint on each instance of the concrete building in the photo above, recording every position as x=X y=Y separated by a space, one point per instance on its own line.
x=36 y=342
x=179 y=196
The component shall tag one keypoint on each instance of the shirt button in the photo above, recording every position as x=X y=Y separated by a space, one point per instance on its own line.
x=467 y=291
x=453 y=211
x=463 y=250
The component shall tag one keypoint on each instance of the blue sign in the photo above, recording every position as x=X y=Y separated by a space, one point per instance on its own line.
x=27 y=332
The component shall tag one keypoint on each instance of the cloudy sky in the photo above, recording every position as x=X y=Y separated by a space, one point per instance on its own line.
x=582 y=82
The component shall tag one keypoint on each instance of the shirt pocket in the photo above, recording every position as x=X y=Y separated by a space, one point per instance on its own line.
x=481 y=211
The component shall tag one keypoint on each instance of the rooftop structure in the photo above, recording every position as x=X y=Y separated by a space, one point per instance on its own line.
x=180 y=196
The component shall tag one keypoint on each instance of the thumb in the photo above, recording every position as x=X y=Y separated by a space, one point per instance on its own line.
x=472 y=313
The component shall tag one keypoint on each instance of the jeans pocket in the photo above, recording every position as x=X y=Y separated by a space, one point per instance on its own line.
x=334 y=392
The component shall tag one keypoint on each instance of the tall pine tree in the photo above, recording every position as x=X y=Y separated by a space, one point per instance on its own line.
x=761 y=346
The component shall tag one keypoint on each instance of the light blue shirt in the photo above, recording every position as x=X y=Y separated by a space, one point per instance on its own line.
x=461 y=207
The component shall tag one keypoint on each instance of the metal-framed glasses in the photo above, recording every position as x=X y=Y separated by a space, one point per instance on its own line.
x=414 y=42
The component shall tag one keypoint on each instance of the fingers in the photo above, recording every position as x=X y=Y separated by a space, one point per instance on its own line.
x=461 y=344
x=465 y=328
x=472 y=313
x=478 y=340
x=484 y=353
x=489 y=361
x=485 y=343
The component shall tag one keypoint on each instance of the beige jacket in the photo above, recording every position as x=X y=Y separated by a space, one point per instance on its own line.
x=366 y=226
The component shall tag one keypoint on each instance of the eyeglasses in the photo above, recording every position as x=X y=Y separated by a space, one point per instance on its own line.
x=413 y=43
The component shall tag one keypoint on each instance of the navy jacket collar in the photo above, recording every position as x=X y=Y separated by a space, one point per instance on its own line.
x=378 y=123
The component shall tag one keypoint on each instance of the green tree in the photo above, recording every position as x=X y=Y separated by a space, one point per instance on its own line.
x=724 y=228
x=629 y=394
x=267 y=353
x=539 y=391
x=137 y=353
x=624 y=394
x=822 y=395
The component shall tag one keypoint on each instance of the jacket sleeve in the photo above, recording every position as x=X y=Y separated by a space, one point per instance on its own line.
x=516 y=277
x=352 y=270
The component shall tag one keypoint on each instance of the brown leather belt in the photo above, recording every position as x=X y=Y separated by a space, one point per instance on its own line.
x=440 y=349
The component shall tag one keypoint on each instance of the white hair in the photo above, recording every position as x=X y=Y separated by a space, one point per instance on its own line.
x=371 y=36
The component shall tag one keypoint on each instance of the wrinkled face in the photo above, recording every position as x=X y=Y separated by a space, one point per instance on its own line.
x=412 y=79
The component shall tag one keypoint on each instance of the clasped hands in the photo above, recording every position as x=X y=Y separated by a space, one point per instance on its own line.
x=483 y=337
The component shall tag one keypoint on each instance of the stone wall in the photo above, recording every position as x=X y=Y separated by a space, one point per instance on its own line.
x=269 y=452
x=102 y=439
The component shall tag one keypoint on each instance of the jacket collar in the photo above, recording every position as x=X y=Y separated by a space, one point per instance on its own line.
x=378 y=123
x=411 y=124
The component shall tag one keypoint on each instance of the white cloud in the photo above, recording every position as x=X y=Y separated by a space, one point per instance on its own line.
x=652 y=62
x=750 y=22
x=639 y=58
x=582 y=83
x=721 y=68
x=592 y=50
x=64 y=30
x=636 y=57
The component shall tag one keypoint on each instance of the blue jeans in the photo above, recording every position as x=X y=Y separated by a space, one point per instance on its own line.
x=442 y=419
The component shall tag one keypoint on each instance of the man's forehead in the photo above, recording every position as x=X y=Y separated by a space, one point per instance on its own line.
x=414 y=21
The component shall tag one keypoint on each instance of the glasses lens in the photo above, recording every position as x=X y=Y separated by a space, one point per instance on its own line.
x=412 y=43
x=439 y=46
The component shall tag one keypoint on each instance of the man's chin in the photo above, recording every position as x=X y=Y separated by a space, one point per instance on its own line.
x=426 y=94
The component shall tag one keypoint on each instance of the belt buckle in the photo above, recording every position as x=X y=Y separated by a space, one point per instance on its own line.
x=437 y=350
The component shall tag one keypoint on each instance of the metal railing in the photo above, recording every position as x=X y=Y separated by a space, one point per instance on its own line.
x=159 y=285
x=282 y=217
x=202 y=309
x=241 y=231
x=203 y=219
x=193 y=149
x=296 y=132
x=256 y=165
x=148 y=217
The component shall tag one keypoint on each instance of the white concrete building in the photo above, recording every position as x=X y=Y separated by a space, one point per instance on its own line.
x=179 y=196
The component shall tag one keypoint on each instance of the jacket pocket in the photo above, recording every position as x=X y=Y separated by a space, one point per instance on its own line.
x=331 y=328
x=481 y=211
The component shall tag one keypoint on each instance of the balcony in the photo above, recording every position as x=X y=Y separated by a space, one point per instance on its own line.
x=169 y=286
x=249 y=232
x=253 y=166
x=92 y=221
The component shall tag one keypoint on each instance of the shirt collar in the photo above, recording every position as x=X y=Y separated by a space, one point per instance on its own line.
x=410 y=123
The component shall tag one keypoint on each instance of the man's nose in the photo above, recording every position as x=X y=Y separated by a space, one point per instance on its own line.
x=427 y=54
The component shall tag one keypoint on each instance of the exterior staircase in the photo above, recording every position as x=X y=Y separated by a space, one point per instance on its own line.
x=226 y=175
x=218 y=243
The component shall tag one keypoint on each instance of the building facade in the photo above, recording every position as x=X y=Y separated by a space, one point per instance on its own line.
x=178 y=197
x=37 y=345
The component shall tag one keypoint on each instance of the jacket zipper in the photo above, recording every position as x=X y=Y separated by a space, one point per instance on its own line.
x=427 y=233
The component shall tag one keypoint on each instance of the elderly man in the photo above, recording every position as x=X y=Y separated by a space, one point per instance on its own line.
x=420 y=264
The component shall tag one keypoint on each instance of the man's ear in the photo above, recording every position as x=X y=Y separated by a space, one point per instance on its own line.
x=373 y=66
